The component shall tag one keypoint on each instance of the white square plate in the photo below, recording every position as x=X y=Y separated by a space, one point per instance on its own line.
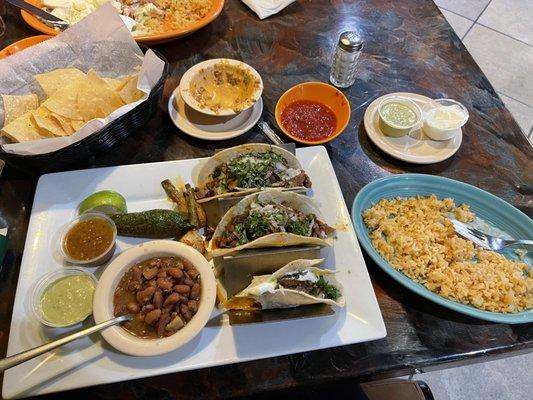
x=91 y=361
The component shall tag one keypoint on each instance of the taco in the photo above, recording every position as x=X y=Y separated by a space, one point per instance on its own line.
x=248 y=168
x=298 y=283
x=271 y=218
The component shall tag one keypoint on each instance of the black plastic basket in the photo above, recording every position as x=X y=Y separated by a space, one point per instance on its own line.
x=98 y=142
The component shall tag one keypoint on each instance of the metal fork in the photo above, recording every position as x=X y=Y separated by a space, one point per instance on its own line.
x=483 y=240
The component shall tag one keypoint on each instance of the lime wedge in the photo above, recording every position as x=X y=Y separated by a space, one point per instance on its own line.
x=105 y=202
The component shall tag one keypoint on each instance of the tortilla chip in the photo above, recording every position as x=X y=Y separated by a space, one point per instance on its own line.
x=15 y=106
x=129 y=93
x=96 y=99
x=54 y=80
x=116 y=84
x=23 y=129
x=66 y=124
x=77 y=125
x=43 y=119
x=64 y=102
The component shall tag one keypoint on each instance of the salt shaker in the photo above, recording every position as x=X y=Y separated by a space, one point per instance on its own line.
x=345 y=60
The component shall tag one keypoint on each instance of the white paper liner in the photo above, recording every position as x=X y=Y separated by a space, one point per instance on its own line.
x=101 y=42
x=266 y=8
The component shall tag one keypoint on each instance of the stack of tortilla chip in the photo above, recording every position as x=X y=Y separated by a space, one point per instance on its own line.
x=73 y=99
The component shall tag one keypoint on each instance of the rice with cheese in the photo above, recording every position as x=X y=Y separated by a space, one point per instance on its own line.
x=416 y=236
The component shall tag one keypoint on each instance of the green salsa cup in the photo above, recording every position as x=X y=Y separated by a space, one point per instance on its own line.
x=398 y=116
x=73 y=303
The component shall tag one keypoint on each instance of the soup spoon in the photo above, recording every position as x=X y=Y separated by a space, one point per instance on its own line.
x=19 y=358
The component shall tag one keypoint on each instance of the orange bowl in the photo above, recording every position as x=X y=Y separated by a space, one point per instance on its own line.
x=320 y=92
x=214 y=12
x=22 y=44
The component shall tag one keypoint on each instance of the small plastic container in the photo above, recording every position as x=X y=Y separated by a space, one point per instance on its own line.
x=101 y=259
x=44 y=282
x=443 y=118
x=390 y=128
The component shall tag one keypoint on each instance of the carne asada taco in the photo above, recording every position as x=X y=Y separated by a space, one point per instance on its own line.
x=271 y=218
x=298 y=283
x=248 y=168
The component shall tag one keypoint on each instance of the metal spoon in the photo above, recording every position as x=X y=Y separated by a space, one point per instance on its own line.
x=19 y=358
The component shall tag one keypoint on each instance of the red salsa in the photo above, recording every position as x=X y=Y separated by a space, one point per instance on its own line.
x=309 y=120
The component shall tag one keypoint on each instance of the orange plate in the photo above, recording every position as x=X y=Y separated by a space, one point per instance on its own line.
x=22 y=44
x=216 y=9
x=322 y=93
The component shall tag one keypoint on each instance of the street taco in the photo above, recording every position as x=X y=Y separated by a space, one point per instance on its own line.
x=249 y=168
x=271 y=218
x=298 y=283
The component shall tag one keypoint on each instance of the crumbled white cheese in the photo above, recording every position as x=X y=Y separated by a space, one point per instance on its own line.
x=265 y=287
x=307 y=275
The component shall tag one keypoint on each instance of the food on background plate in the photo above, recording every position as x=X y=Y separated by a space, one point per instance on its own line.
x=159 y=223
x=68 y=300
x=298 y=283
x=270 y=219
x=249 y=167
x=416 y=236
x=73 y=99
x=225 y=85
x=309 y=120
x=151 y=17
x=163 y=294
x=105 y=201
x=89 y=239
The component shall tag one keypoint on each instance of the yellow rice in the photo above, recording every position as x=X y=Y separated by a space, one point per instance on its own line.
x=416 y=236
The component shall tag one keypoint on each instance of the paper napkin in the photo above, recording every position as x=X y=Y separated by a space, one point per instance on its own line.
x=266 y=8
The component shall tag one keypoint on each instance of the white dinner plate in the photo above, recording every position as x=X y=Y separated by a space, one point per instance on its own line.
x=416 y=147
x=208 y=127
x=90 y=361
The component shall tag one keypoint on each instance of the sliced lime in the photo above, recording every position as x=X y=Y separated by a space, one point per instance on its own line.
x=105 y=202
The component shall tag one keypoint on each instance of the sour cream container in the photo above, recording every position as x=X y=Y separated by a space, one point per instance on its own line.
x=443 y=118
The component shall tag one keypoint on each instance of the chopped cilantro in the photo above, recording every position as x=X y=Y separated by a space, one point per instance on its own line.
x=256 y=225
x=240 y=232
x=329 y=291
x=252 y=170
x=300 y=227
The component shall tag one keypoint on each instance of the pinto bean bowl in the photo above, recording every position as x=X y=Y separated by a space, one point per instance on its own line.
x=186 y=291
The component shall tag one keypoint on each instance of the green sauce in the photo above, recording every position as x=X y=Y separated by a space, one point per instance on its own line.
x=68 y=300
x=398 y=115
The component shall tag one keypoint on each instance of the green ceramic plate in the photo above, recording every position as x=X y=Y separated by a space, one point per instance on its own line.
x=493 y=210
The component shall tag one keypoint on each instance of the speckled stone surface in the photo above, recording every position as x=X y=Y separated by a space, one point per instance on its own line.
x=409 y=47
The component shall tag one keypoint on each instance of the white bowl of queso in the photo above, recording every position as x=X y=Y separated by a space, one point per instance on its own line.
x=221 y=87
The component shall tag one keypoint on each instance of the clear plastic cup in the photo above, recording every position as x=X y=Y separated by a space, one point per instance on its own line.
x=44 y=282
x=443 y=129
x=99 y=260
x=388 y=127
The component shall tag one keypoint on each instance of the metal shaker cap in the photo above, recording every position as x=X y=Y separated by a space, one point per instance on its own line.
x=350 y=41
